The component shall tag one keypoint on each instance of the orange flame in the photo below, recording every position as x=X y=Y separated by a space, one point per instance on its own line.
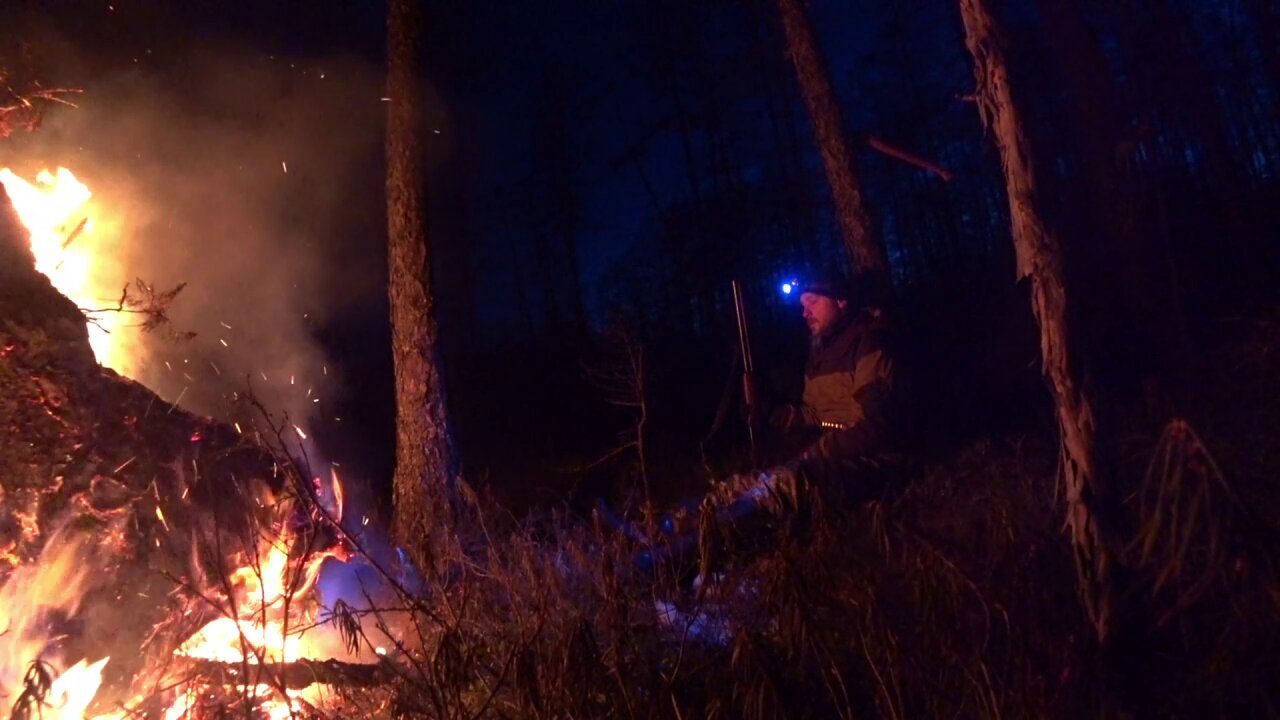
x=265 y=629
x=72 y=249
x=53 y=585
x=72 y=692
x=272 y=623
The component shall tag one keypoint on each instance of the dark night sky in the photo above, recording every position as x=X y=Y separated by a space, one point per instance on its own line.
x=486 y=61
x=489 y=64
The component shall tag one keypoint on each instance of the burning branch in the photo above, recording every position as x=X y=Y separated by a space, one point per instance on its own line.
x=23 y=108
x=153 y=305
x=36 y=685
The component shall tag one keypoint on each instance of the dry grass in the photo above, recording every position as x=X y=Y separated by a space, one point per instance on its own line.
x=951 y=596
x=916 y=605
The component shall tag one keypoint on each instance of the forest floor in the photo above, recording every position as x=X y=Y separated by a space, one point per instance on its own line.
x=952 y=595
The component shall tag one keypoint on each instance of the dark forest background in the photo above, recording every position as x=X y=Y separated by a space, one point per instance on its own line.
x=664 y=150
x=601 y=171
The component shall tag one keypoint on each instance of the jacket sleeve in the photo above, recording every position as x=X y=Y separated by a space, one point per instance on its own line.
x=791 y=416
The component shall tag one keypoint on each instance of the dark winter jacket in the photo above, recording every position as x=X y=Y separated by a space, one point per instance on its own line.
x=848 y=384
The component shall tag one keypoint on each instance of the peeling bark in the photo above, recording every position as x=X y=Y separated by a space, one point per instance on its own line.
x=1039 y=257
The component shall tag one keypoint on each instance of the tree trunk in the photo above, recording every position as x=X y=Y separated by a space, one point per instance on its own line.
x=1265 y=18
x=856 y=226
x=425 y=475
x=1039 y=257
x=1113 y=254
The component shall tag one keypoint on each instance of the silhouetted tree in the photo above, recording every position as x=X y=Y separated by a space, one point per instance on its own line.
x=1112 y=251
x=856 y=226
x=557 y=216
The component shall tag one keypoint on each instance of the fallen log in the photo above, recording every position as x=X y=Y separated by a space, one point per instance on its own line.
x=293 y=675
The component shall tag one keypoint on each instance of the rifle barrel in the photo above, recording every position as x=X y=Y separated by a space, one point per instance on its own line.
x=744 y=339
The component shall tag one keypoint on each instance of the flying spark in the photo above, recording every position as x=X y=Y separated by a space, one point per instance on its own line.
x=175 y=402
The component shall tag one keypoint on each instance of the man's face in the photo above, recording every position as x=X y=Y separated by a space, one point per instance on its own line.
x=821 y=312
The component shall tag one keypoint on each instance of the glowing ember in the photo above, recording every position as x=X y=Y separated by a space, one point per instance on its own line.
x=71 y=249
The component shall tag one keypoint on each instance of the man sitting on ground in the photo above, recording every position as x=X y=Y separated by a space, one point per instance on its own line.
x=846 y=410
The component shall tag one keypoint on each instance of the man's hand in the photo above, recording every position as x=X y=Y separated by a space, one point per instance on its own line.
x=786 y=417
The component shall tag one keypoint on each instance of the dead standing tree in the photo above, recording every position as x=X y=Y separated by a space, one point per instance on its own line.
x=1039 y=257
x=425 y=477
x=859 y=232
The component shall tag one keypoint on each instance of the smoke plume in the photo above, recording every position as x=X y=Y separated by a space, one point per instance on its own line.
x=254 y=180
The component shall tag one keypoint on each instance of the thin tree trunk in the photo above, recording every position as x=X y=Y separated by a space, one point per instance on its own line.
x=425 y=473
x=1265 y=18
x=1039 y=257
x=856 y=226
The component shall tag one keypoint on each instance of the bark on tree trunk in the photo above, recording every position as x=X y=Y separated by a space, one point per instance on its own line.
x=1039 y=257
x=856 y=226
x=1269 y=24
x=425 y=476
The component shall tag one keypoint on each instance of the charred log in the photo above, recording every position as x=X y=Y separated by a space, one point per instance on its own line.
x=294 y=675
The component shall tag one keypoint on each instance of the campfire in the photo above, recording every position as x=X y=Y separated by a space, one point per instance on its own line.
x=240 y=624
x=264 y=618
